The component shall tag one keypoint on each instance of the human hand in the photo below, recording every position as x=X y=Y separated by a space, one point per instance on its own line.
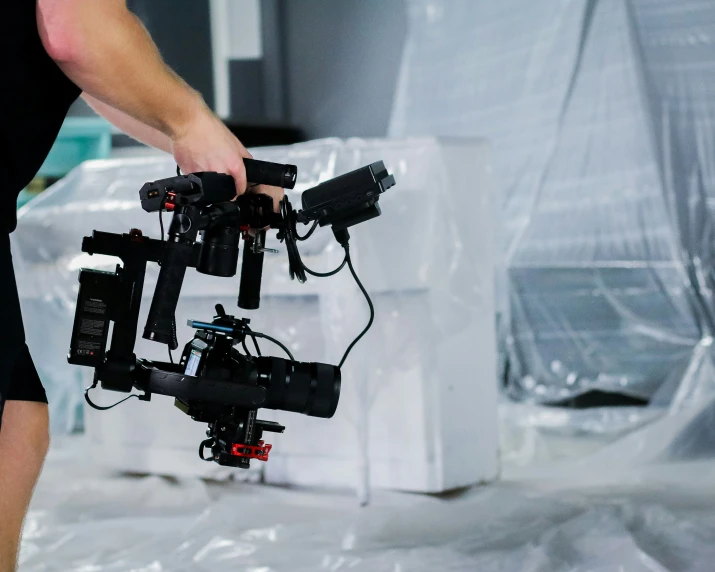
x=206 y=144
x=276 y=193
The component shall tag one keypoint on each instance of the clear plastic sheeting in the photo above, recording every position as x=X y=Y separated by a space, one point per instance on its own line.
x=572 y=517
x=427 y=263
x=600 y=114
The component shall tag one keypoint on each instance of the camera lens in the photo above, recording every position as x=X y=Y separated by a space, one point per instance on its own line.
x=308 y=388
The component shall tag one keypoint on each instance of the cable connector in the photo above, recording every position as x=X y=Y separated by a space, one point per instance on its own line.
x=342 y=236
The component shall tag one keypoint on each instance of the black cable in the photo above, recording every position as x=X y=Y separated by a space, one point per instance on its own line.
x=171 y=357
x=161 y=214
x=255 y=342
x=369 y=303
x=307 y=236
x=161 y=221
x=275 y=341
x=299 y=270
x=204 y=444
x=295 y=265
x=100 y=407
x=325 y=274
x=291 y=236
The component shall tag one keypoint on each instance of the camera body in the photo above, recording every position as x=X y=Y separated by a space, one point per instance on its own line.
x=235 y=433
x=214 y=382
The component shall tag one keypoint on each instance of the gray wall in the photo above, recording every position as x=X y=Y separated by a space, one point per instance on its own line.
x=341 y=61
x=330 y=66
x=182 y=31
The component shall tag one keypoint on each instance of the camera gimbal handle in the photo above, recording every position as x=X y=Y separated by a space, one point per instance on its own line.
x=187 y=196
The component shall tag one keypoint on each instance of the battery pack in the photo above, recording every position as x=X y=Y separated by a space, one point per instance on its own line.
x=92 y=317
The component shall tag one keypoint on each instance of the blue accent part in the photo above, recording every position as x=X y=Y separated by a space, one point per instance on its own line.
x=207 y=326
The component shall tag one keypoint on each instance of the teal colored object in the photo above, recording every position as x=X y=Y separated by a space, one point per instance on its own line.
x=79 y=139
x=24 y=197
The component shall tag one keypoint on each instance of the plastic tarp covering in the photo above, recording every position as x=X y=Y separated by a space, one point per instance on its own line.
x=571 y=517
x=601 y=116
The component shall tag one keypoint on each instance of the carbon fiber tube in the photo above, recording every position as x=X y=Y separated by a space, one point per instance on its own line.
x=249 y=291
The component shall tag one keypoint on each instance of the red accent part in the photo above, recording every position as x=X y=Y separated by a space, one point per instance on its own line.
x=244 y=228
x=259 y=451
x=169 y=202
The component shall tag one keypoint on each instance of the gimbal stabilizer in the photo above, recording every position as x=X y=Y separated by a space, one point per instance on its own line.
x=213 y=382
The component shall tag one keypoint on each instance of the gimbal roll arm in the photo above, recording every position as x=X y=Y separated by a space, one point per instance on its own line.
x=163 y=378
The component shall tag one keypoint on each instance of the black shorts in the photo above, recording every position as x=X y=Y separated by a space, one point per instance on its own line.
x=18 y=377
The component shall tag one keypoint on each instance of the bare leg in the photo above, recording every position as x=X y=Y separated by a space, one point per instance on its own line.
x=24 y=439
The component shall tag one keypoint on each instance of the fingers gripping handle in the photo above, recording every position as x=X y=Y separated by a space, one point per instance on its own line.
x=160 y=325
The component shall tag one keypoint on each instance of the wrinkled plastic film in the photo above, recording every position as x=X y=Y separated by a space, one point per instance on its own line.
x=599 y=117
x=569 y=517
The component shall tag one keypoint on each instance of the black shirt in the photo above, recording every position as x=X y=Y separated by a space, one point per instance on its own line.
x=35 y=97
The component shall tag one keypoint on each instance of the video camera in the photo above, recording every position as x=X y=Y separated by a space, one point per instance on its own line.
x=214 y=382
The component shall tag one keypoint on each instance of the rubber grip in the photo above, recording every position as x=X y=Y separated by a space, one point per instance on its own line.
x=273 y=174
x=249 y=291
x=160 y=322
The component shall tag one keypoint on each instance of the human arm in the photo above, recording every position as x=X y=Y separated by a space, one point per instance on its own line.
x=104 y=49
x=157 y=139
x=127 y=124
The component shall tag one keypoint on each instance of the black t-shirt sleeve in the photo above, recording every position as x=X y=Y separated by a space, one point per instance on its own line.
x=36 y=96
